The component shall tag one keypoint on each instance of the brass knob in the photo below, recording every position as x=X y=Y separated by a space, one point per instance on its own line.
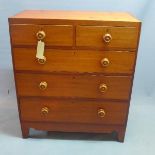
x=42 y=61
x=44 y=111
x=43 y=85
x=107 y=38
x=101 y=113
x=105 y=62
x=40 y=35
x=103 y=88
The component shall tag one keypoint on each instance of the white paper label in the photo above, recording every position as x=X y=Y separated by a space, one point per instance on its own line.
x=40 y=50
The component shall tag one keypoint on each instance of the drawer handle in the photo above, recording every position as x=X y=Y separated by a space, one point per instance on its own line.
x=40 y=35
x=42 y=61
x=40 y=48
x=105 y=62
x=43 y=85
x=101 y=113
x=107 y=38
x=103 y=88
x=44 y=111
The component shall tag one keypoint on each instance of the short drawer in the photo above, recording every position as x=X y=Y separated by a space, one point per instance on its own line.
x=73 y=111
x=75 y=61
x=74 y=86
x=107 y=37
x=55 y=35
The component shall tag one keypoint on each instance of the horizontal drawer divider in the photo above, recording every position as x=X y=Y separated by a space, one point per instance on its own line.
x=76 y=47
x=75 y=98
x=73 y=73
x=71 y=123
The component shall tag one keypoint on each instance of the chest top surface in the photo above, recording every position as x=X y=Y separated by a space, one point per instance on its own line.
x=82 y=17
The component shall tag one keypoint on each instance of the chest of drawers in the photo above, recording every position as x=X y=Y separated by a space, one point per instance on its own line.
x=74 y=70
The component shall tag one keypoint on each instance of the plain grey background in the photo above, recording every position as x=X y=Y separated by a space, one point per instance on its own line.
x=141 y=126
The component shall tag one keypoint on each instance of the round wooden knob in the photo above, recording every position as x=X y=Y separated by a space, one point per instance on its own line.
x=103 y=88
x=105 y=62
x=107 y=38
x=44 y=111
x=43 y=85
x=42 y=61
x=40 y=35
x=101 y=113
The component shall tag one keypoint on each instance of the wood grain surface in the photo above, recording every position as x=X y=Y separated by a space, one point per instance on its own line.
x=76 y=17
x=83 y=86
x=122 y=37
x=73 y=111
x=74 y=61
x=56 y=35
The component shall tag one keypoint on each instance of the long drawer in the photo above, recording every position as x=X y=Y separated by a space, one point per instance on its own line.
x=74 y=86
x=55 y=35
x=75 y=61
x=107 y=37
x=73 y=111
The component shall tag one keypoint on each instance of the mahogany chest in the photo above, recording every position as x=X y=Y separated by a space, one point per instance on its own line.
x=74 y=70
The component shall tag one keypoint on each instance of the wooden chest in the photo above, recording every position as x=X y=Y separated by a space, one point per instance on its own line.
x=74 y=70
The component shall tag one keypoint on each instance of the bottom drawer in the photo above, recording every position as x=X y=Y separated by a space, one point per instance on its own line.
x=73 y=111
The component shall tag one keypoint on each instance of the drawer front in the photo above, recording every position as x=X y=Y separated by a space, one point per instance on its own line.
x=75 y=61
x=83 y=86
x=71 y=111
x=107 y=37
x=55 y=35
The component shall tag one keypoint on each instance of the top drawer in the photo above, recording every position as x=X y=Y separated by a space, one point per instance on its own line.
x=106 y=37
x=55 y=35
